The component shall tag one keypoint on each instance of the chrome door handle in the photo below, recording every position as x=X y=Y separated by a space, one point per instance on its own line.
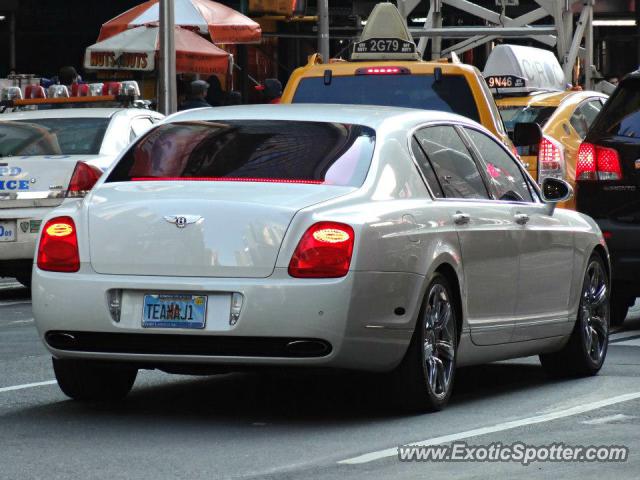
x=460 y=218
x=521 y=218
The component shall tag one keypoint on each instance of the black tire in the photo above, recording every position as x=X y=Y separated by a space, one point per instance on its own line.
x=412 y=387
x=88 y=381
x=619 y=309
x=580 y=356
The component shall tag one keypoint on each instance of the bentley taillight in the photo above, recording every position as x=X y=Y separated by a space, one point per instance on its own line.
x=58 y=248
x=324 y=251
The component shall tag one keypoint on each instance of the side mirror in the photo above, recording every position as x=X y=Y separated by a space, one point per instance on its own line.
x=526 y=134
x=555 y=190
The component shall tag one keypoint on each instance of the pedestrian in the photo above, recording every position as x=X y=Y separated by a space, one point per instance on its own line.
x=233 y=98
x=67 y=76
x=215 y=95
x=197 y=96
x=272 y=90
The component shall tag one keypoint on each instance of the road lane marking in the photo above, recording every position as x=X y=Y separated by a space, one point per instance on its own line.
x=500 y=427
x=628 y=342
x=10 y=286
x=29 y=320
x=26 y=385
x=618 y=337
x=608 y=419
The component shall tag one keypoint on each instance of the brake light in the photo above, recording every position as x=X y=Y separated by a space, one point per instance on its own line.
x=383 y=71
x=225 y=179
x=597 y=163
x=83 y=179
x=324 y=251
x=550 y=159
x=58 y=248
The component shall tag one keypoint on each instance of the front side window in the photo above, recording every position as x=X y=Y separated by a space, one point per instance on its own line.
x=251 y=150
x=454 y=166
x=504 y=176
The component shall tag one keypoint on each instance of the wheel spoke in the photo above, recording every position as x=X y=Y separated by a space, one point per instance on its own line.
x=445 y=350
x=599 y=296
x=441 y=381
x=432 y=373
x=594 y=349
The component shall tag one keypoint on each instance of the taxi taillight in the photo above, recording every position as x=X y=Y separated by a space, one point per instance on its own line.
x=550 y=159
x=324 y=251
x=58 y=247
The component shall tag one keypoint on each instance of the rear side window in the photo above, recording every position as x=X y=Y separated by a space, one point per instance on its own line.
x=450 y=94
x=584 y=116
x=251 y=150
x=455 y=168
x=621 y=114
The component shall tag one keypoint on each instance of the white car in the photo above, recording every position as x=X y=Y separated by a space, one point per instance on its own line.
x=47 y=156
x=370 y=238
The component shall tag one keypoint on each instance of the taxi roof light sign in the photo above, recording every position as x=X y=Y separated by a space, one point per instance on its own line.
x=512 y=69
x=385 y=37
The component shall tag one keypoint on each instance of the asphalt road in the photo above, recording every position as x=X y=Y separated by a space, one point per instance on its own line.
x=249 y=426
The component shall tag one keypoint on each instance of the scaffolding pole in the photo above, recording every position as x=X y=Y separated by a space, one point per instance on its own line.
x=167 y=89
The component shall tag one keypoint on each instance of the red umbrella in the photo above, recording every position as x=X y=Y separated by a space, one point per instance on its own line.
x=137 y=48
x=221 y=23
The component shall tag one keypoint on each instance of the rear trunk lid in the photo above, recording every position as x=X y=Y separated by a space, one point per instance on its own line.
x=230 y=229
x=39 y=180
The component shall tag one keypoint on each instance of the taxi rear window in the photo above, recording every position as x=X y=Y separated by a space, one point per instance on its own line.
x=274 y=151
x=528 y=114
x=450 y=94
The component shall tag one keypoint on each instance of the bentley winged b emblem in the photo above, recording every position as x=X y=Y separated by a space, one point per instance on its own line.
x=182 y=221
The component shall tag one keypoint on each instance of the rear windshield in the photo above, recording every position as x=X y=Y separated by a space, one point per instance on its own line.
x=621 y=114
x=251 y=150
x=450 y=94
x=512 y=115
x=52 y=136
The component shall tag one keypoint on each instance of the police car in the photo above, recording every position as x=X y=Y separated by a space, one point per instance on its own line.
x=530 y=89
x=48 y=157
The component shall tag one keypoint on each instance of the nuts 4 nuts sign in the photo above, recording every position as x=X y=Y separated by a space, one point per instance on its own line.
x=112 y=60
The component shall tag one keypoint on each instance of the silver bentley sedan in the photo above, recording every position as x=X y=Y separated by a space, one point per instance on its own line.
x=352 y=237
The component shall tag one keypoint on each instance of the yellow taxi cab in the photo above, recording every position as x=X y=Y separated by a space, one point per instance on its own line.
x=528 y=84
x=386 y=69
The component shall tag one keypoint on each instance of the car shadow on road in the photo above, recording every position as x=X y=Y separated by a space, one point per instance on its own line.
x=17 y=293
x=291 y=398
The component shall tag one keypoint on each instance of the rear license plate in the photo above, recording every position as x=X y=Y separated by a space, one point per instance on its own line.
x=174 y=311
x=7 y=230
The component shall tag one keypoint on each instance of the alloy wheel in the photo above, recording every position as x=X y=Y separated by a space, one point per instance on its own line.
x=594 y=312
x=439 y=341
